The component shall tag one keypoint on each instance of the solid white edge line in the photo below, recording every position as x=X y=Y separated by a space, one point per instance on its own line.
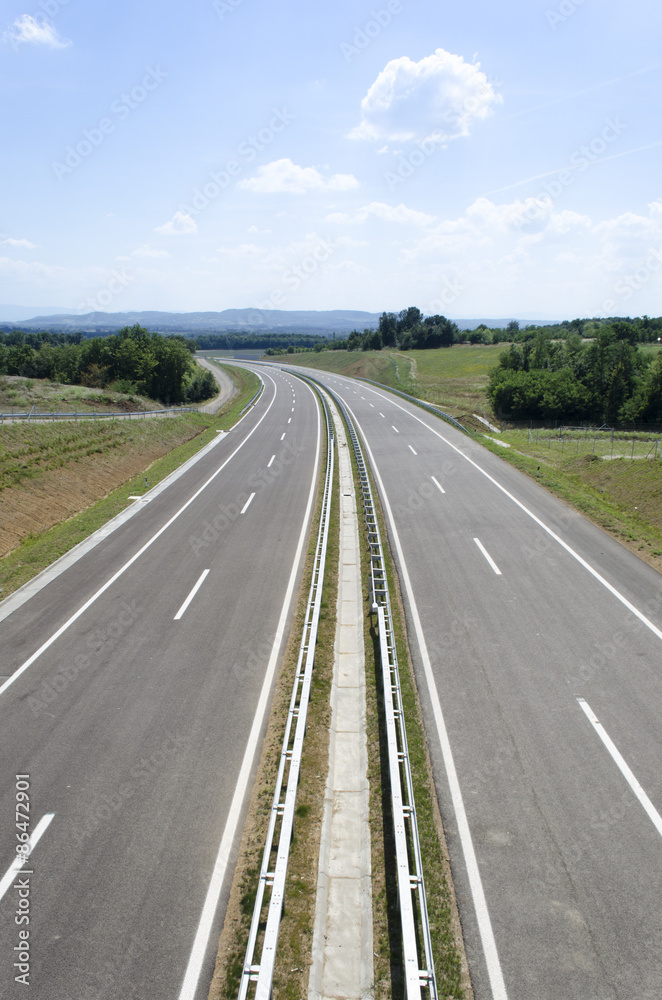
x=203 y=577
x=438 y=485
x=552 y=534
x=488 y=557
x=271 y=461
x=475 y=882
x=63 y=628
x=412 y=450
x=618 y=758
x=201 y=940
x=18 y=863
x=247 y=504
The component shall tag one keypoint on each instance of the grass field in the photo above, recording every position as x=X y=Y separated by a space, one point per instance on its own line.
x=24 y=393
x=60 y=483
x=453 y=377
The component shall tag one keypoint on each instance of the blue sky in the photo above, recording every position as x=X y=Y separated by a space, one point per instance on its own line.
x=476 y=160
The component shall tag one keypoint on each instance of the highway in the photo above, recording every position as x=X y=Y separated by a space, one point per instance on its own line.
x=135 y=690
x=537 y=643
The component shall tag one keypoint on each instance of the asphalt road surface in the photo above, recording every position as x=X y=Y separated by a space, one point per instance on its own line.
x=138 y=717
x=537 y=643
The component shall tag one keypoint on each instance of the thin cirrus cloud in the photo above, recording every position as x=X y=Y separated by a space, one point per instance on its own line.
x=437 y=98
x=146 y=251
x=9 y=241
x=284 y=176
x=387 y=213
x=181 y=224
x=26 y=30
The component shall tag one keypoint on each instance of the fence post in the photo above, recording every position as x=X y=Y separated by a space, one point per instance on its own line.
x=632 y=455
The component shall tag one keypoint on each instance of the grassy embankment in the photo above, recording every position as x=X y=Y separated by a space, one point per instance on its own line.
x=60 y=482
x=46 y=397
x=622 y=496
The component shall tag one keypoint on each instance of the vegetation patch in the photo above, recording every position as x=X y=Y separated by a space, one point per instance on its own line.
x=38 y=459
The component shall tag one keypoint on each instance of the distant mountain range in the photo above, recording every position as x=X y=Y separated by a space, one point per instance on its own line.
x=335 y=321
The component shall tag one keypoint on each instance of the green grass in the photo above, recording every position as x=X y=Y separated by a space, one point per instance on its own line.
x=36 y=553
x=622 y=496
x=46 y=397
x=452 y=377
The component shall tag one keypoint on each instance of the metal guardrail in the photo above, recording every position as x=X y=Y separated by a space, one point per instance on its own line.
x=282 y=808
x=31 y=416
x=254 y=400
x=411 y=886
x=420 y=402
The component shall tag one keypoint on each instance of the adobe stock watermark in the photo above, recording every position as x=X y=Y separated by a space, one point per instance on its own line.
x=258 y=482
x=39 y=21
x=451 y=291
x=425 y=148
x=297 y=275
x=564 y=10
x=580 y=160
x=100 y=640
x=120 y=109
x=105 y=806
x=102 y=298
x=628 y=284
x=225 y=7
x=246 y=152
x=373 y=27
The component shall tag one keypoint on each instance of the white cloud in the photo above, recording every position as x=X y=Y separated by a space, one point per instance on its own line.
x=8 y=241
x=243 y=250
x=27 y=30
x=387 y=213
x=181 y=224
x=437 y=99
x=146 y=251
x=254 y=229
x=286 y=176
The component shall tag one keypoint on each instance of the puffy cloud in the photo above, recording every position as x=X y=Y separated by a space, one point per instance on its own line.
x=437 y=98
x=286 y=176
x=181 y=224
x=146 y=251
x=387 y=213
x=27 y=30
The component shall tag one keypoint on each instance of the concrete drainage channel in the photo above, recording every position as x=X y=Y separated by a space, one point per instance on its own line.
x=342 y=939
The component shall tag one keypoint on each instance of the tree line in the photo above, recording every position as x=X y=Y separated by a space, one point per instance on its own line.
x=132 y=361
x=607 y=379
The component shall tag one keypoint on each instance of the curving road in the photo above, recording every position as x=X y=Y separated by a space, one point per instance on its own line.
x=537 y=643
x=138 y=681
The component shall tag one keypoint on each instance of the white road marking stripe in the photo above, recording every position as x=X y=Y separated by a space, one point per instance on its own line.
x=247 y=504
x=475 y=882
x=552 y=534
x=651 y=811
x=438 y=485
x=395 y=428
x=292 y=410
x=203 y=577
x=192 y=975
x=488 y=557
x=18 y=863
x=134 y=558
x=289 y=420
x=373 y=405
x=412 y=450
x=271 y=461
x=382 y=415
x=282 y=435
